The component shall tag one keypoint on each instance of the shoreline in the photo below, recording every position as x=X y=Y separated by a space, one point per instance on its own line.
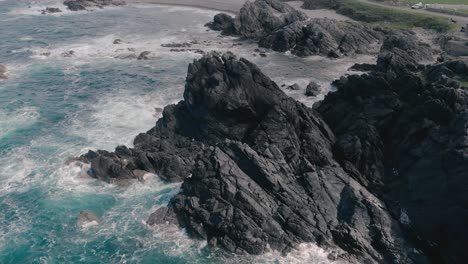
x=230 y=6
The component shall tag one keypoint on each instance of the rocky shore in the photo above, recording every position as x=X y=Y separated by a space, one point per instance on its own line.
x=374 y=173
x=262 y=171
x=280 y=27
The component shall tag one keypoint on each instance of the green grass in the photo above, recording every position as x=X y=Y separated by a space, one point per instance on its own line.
x=393 y=18
x=462 y=10
x=463 y=83
x=445 y=2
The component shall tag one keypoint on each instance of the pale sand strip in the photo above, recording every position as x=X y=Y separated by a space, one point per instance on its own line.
x=232 y=6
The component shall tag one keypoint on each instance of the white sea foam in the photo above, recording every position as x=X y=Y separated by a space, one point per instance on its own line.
x=21 y=118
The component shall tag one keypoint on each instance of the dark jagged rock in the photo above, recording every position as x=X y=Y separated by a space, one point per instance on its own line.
x=145 y=55
x=313 y=89
x=294 y=87
x=280 y=27
x=404 y=137
x=117 y=41
x=224 y=23
x=258 y=171
x=324 y=36
x=400 y=52
x=50 y=10
x=403 y=51
x=81 y=5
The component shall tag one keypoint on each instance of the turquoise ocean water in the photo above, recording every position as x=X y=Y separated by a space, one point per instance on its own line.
x=53 y=108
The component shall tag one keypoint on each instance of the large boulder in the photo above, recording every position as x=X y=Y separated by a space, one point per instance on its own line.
x=259 y=171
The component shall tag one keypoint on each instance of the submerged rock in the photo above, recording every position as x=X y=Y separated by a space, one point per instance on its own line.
x=87 y=218
x=81 y=5
x=117 y=41
x=68 y=54
x=259 y=171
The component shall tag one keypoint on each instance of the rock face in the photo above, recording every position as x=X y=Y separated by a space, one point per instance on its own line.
x=404 y=137
x=259 y=171
x=81 y=5
x=282 y=28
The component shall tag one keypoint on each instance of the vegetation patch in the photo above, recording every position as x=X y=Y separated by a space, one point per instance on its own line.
x=392 y=17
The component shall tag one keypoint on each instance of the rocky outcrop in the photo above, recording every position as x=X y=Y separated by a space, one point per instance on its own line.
x=282 y=28
x=404 y=137
x=81 y=5
x=403 y=52
x=259 y=171
x=323 y=36
x=50 y=10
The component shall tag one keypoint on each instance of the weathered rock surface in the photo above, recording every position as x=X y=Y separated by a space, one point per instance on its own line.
x=282 y=28
x=262 y=171
x=81 y=5
x=405 y=138
x=403 y=52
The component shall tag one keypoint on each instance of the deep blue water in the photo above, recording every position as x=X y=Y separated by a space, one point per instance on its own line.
x=53 y=108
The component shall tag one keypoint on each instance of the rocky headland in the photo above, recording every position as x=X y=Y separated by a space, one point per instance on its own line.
x=261 y=171
x=374 y=173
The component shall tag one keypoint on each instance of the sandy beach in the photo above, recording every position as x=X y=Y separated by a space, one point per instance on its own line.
x=232 y=6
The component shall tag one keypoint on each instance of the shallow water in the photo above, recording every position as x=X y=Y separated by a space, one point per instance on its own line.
x=53 y=108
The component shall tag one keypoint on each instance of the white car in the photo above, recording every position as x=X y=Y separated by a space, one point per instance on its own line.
x=417 y=6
